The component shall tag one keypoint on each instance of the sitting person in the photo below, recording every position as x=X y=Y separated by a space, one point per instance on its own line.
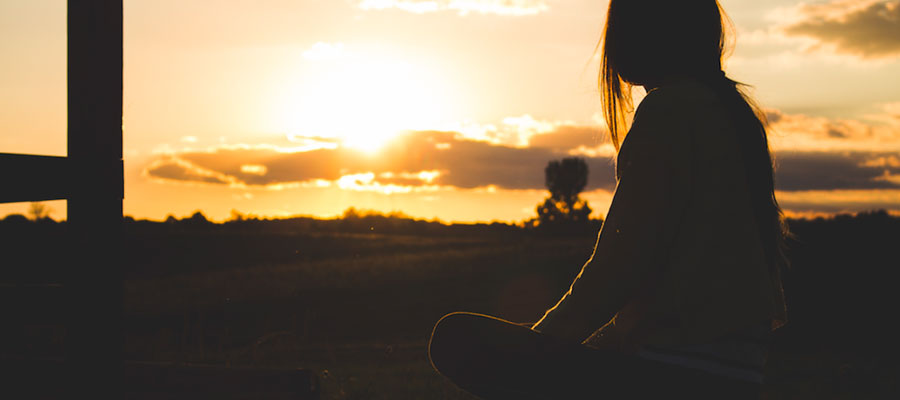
x=683 y=288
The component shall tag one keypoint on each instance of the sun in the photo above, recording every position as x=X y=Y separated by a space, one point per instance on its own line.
x=364 y=100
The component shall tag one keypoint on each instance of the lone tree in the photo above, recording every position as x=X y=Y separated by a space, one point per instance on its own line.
x=565 y=179
x=38 y=211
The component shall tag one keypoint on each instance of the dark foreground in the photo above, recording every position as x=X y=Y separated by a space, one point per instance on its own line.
x=357 y=308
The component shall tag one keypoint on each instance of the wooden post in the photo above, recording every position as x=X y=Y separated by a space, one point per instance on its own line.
x=94 y=279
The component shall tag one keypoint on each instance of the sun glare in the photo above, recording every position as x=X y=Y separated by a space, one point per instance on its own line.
x=364 y=101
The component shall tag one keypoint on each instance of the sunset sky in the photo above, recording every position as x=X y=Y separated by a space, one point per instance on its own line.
x=444 y=109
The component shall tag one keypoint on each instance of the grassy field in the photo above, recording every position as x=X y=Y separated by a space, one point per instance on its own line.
x=358 y=308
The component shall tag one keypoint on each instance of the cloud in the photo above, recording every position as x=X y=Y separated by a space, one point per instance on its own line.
x=820 y=154
x=868 y=29
x=567 y=137
x=512 y=131
x=804 y=171
x=421 y=159
x=798 y=132
x=463 y=7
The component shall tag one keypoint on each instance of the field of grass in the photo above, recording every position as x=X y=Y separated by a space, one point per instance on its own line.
x=358 y=308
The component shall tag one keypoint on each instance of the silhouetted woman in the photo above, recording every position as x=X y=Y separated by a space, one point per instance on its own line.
x=683 y=288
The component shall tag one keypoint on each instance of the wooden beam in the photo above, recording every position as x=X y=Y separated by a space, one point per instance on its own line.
x=94 y=282
x=33 y=178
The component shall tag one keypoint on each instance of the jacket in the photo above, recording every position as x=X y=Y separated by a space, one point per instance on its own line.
x=678 y=260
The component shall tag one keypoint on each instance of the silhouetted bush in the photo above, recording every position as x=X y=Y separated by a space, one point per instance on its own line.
x=564 y=212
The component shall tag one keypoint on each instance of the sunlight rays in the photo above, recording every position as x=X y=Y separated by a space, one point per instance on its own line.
x=363 y=100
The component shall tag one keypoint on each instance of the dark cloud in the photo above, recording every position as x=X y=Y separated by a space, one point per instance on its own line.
x=831 y=170
x=461 y=162
x=171 y=169
x=281 y=167
x=836 y=133
x=469 y=164
x=866 y=29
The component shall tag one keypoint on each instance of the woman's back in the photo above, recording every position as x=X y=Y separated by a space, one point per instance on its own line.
x=678 y=262
x=714 y=276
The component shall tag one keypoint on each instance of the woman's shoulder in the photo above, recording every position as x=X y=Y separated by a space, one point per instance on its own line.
x=663 y=123
x=668 y=117
x=678 y=96
x=680 y=106
x=671 y=108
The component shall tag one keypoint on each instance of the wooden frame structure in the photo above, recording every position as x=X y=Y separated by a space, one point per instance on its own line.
x=91 y=180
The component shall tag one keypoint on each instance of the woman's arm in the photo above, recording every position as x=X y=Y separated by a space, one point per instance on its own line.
x=649 y=201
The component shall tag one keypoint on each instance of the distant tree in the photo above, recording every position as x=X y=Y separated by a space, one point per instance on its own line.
x=38 y=211
x=237 y=216
x=351 y=213
x=198 y=218
x=565 y=179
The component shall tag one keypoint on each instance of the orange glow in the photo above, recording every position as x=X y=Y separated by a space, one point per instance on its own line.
x=368 y=182
x=363 y=99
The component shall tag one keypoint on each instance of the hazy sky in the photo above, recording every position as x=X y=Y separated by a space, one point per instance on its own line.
x=443 y=109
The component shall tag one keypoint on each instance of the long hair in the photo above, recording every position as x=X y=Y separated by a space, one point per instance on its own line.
x=652 y=42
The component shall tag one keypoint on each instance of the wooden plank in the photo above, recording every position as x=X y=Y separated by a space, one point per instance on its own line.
x=94 y=338
x=26 y=177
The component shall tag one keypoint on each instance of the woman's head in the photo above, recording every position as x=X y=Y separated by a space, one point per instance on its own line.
x=650 y=42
